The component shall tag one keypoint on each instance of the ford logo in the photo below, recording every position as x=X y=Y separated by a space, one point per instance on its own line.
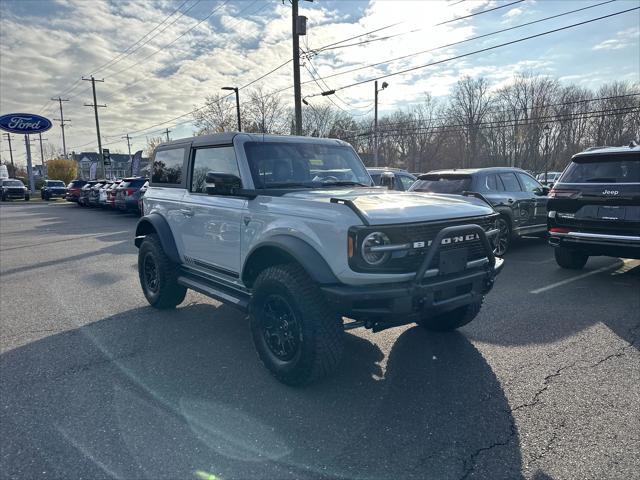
x=24 y=123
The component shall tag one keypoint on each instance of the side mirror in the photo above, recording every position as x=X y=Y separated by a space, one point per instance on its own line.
x=222 y=183
x=542 y=191
x=388 y=179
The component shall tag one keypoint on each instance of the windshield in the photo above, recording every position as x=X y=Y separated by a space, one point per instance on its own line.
x=13 y=183
x=604 y=169
x=307 y=165
x=441 y=184
x=55 y=183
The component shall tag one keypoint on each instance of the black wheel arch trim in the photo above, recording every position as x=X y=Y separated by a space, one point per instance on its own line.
x=156 y=223
x=303 y=253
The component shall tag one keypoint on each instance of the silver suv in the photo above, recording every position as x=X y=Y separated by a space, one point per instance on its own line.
x=291 y=231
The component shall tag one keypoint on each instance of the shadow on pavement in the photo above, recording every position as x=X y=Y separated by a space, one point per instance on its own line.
x=150 y=394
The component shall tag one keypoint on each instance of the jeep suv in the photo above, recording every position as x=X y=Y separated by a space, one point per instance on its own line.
x=594 y=208
x=292 y=231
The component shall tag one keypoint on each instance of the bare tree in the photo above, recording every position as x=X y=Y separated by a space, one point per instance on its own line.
x=217 y=114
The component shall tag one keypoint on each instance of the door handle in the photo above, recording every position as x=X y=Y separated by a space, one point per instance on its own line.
x=186 y=212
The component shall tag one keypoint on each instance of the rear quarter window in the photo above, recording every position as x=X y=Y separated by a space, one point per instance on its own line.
x=603 y=169
x=167 y=167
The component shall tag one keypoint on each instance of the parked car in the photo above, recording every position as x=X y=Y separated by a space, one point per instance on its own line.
x=290 y=231
x=392 y=178
x=519 y=198
x=13 y=189
x=111 y=194
x=143 y=189
x=52 y=189
x=94 y=193
x=74 y=189
x=128 y=193
x=83 y=200
x=102 y=193
x=548 y=179
x=594 y=208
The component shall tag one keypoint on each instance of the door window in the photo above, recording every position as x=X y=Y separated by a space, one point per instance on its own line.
x=216 y=159
x=510 y=182
x=167 y=166
x=529 y=184
x=493 y=183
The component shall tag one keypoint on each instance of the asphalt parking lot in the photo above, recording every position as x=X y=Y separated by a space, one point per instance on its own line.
x=544 y=384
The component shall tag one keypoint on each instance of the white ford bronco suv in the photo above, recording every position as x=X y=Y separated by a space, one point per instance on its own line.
x=292 y=231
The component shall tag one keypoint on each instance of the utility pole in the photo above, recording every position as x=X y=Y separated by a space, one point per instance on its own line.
x=129 y=147
x=547 y=130
x=62 y=123
x=167 y=131
x=95 y=110
x=44 y=169
x=375 y=121
x=235 y=89
x=13 y=167
x=298 y=27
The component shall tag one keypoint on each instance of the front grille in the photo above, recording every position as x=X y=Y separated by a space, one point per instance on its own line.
x=409 y=261
x=15 y=191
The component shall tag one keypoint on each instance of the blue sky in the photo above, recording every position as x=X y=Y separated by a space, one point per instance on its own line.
x=46 y=46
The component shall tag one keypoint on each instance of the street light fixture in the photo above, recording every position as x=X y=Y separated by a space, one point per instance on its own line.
x=375 y=121
x=547 y=130
x=235 y=89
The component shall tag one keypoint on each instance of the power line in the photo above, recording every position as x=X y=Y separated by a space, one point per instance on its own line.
x=400 y=72
x=130 y=50
x=344 y=72
x=331 y=46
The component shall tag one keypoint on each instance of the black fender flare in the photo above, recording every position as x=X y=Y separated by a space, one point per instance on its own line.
x=300 y=251
x=156 y=223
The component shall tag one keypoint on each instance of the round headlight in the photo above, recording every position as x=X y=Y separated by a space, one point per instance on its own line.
x=375 y=239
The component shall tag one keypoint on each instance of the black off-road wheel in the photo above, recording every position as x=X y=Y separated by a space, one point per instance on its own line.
x=448 y=321
x=503 y=241
x=158 y=275
x=297 y=335
x=570 y=259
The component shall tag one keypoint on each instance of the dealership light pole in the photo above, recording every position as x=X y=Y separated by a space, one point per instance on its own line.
x=375 y=121
x=235 y=89
x=95 y=110
x=44 y=169
x=547 y=130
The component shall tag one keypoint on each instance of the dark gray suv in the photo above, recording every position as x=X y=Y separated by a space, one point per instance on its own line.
x=519 y=198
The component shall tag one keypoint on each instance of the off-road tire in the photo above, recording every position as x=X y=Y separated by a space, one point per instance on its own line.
x=570 y=259
x=168 y=293
x=321 y=339
x=448 y=321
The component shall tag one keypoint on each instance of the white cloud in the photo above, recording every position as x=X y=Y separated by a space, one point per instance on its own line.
x=623 y=39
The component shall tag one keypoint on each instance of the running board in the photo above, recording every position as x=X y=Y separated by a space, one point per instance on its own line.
x=216 y=291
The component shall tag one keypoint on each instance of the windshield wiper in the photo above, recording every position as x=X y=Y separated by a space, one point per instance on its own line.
x=344 y=184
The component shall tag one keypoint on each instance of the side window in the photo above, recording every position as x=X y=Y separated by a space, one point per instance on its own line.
x=530 y=185
x=510 y=182
x=493 y=183
x=407 y=181
x=215 y=159
x=167 y=166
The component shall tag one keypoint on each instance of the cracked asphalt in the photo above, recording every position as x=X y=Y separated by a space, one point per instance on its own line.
x=96 y=384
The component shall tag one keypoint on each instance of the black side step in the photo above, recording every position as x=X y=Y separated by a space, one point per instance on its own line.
x=230 y=296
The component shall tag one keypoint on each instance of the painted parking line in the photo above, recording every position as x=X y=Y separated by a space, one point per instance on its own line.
x=578 y=277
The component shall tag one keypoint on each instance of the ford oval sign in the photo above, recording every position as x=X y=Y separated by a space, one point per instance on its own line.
x=24 y=123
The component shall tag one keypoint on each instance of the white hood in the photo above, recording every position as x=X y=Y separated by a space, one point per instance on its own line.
x=383 y=207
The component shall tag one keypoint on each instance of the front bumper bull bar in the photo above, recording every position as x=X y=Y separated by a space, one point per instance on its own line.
x=434 y=291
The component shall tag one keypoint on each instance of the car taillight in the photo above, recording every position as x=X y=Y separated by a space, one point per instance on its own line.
x=563 y=193
x=129 y=191
x=559 y=230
